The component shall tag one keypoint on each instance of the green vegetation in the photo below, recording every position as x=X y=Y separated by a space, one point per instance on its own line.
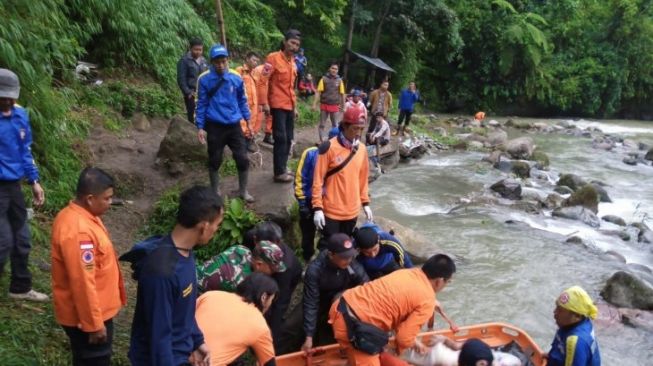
x=237 y=220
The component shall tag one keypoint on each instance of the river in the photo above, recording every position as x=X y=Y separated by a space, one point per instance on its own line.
x=514 y=272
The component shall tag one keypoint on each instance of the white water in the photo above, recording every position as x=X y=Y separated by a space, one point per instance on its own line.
x=514 y=272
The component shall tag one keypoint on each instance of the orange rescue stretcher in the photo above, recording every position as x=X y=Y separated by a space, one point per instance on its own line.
x=494 y=334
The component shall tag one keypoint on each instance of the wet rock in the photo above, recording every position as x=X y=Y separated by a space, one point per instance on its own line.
x=637 y=318
x=621 y=234
x=462 y=145
x=614 y=219
x=564 y=124
x=629 y=160
x=527 y=206
x=493 y=123
x=649 y=155
x=507 y=188
x=572 y=181
x=553 y=200
x=475 y=137
x=644 y=147
x=497 y=137
x=624 y=289
x=541 y=158
x=140 y=122
x=630 y=144
x=520 y=148
x=180 y=143
x=579 y=213
x=521 y=169
x=494 y=157
x=413 y=242
x=539 y=175
x=608 y=315
x=503 y=166
x=603 y=145
x=574 y=240
x=532 y=194
x=603 y=194
x=586 y=196
x=645 y=236
x=616 y=255
x=563 y=190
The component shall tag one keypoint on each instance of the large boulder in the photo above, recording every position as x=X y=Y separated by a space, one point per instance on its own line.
x=541 y=158
x=520 y=148
x=521 y=169
x=180 y=143
x=579 y=213
x=600 y=190
x=415 y=244
x=572 y=181
x=507 y=188
x=586 y=196
x=563 y=190
x=624 y=289
x=497 y=137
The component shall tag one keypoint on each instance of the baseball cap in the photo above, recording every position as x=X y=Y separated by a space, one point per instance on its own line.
x=341 y=245
x=354 y=116
x=474 y=350
x=271 y=254
x=366 y=238
x=9 y=84
x=292 y=34
x=218 y=50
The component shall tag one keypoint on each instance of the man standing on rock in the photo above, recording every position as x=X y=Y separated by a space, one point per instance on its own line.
x=189 y=68
x=340 y=186
x=380 y=101
x=407 y=100
x=331 y=95
x=87 y=285
x=221 y=105
x=282 y=102
x=16 y=163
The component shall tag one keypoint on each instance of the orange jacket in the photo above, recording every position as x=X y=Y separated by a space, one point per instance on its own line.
x=252 y=103
x=344 y=192
x=87 y=285
x=402 y=301
x=261 y=77
x=281 y=86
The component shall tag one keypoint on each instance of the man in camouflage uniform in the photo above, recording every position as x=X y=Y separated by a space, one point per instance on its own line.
x=228 y=269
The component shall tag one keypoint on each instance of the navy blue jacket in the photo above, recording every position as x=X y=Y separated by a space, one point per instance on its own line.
x=227 y=106
x=164 y=330
x=391 y=257
x=304 y=177
x=575 y=346
x=188 y=70
x=407 y=100
x=16 y=160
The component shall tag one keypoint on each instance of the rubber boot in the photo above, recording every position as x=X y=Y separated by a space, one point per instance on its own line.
x=214 y=178
x=242 y=187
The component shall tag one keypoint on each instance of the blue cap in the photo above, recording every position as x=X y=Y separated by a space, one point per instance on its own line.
x=218 y=50
x=356 y=93
x=334 y=132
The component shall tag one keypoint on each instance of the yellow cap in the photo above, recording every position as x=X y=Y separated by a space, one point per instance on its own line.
x=577 y=300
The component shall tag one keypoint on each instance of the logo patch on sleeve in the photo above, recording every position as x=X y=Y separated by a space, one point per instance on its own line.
x=83 y=245
x=88 y=256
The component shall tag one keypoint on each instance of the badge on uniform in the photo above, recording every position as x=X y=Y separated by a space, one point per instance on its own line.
x=22 y=133
x=87 y=256
x=187 y=291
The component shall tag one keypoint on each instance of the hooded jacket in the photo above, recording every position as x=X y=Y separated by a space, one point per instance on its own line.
x=164 y=330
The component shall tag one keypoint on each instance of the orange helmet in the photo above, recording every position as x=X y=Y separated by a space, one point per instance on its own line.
x=354 y=116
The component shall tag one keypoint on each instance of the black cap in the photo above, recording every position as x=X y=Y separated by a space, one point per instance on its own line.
x=474 y=350
x=341 y=245
x=366 y=238
x=292 y=34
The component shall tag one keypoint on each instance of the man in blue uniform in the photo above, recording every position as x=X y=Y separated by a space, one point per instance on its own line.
x=16 y=163
x=407 y=100
x=164 y=330
x=221 y=105
x=303 y=194
x=574 y=343
x=380 y=252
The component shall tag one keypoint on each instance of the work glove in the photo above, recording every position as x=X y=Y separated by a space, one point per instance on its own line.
x=318 y=219
x=368 y=213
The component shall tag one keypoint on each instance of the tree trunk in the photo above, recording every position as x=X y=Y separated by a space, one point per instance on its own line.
x=220 y=19
x=377 y=37
x=350 y=35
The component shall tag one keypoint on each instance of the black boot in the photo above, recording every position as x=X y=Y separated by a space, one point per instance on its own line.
x=214 y=178
x=242 y=187
x=268 y=139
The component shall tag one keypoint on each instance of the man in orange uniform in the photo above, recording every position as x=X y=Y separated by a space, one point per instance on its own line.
x=282 y=102
x=87 y=284
x=340 y=179
x=245 y=72
x=401 y=301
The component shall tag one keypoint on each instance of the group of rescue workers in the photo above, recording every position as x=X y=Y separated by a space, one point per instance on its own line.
x=358 y=286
